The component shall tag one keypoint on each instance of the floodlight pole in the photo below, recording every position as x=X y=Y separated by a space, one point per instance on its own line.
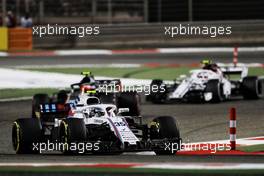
x=146 y=12
x=3 y=12
x=159 y=11
x=190 y=10
x=41 y=11
x=26 y=6
x=94 y=10
x=17 y=10
x=109 y=8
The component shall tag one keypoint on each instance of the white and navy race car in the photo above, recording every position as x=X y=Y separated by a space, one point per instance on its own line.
x=103 y=126
x=209 y=84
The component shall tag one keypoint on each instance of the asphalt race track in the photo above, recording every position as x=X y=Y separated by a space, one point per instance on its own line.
x=197 y=122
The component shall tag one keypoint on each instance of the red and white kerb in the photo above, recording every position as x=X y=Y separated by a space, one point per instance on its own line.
x=232 y=130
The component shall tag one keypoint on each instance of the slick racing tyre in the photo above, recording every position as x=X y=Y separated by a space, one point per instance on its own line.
x=252 y=88
x=25 y=133
x=109 y=98
x=166 y=129
x=129 y=100
x=37 y=100
x=72 y=132
x=215 y=87
x=157 y=97
x=62 y=97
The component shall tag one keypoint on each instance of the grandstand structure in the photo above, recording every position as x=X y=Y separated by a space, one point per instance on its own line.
x=134 y=11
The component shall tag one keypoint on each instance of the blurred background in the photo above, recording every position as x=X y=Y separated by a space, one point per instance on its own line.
x=140 y=23
x=134 y=11
x=132 y=46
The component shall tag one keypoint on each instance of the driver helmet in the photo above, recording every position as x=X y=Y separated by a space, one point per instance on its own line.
x=88 y=77
x=209 y=65
x=98 y=112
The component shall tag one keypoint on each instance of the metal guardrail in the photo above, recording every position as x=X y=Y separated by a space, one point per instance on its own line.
x=153 y=35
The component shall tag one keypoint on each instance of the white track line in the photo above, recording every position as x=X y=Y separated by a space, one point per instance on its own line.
x=12 y=78
x=251 y=65
x=242 y=141
x=173 y=166
x=204 y=166
x=82 y=52
x=80 y=66
x=3 y=54
x=213 y=49
x=15 y=99
x=160 y=50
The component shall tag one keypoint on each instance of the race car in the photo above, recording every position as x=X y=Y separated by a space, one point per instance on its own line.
x=108 y=91
x=209 y=84
x=101 y=126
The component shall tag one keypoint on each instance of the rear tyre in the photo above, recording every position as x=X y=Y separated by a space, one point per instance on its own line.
x=252 y=88
x=159 y=96
x=167 y=128
x=215 y=87
x=25 y=133
x=129 y=100
x=36 y=101
x=62 y=97
x=72 y=132
x=107 y=98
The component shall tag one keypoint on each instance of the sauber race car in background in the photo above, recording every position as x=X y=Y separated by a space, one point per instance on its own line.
x=108 y=91
x=209 y=84
x=102 y=126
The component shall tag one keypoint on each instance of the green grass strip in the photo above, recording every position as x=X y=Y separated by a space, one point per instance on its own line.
x=252 y=148
x=140 y=73
x=14 y=93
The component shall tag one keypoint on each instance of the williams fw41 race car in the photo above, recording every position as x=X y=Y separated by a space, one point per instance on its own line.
x=87 y=126
x=108 y=91
x=209 y=84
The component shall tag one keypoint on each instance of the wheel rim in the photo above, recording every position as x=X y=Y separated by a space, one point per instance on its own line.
x=64 y=136
x=259 y=88
x=219 y=92
x=16 y=136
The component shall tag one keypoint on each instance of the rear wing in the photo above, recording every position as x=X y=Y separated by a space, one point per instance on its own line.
x=54 y=110
x=109 y=85
x=108 y=82
x=227 y=70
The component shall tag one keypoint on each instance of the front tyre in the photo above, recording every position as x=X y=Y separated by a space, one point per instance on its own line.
x=72 y=132
x=25 y=133
x=215 y=87
x=166 y=129
x=129 y=100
